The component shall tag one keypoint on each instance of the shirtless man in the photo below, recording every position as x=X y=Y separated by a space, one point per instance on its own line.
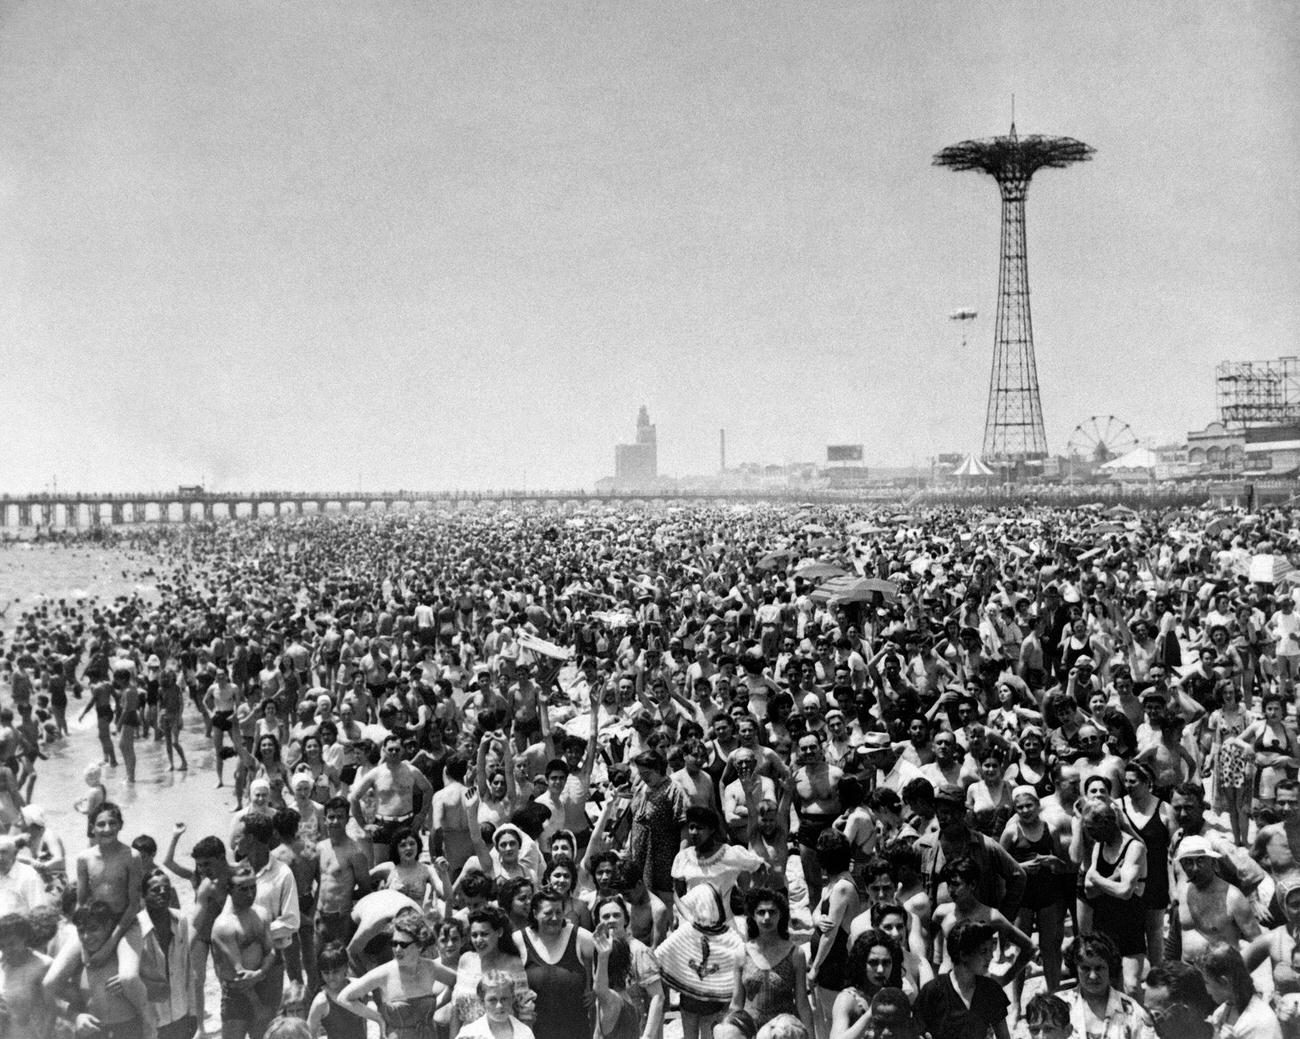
x=523 y=701
x=245 y=961
x=212 y=876
x=1058 y=806
x=1210 y=910
x=449 y=836
x=343 y=871
x=1277 y=844
x=395 y=782
x=111 y=872
x=300 y=859
x=21 y=972
x=103 y=701
x=130 y=703
x=1096 y=760
x=817 y=803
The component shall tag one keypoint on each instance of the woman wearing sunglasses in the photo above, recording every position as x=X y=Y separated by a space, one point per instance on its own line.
x=405 y=999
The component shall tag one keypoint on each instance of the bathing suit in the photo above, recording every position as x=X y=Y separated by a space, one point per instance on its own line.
x=1121 y=918
x=1155 y=835
x=1042 y=888
x=833 y=973
x=223 y=720
x=408 y=1018
x=811 y=826
x=389 y=826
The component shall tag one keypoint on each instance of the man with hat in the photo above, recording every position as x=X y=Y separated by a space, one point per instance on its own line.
x=1210 y=910
x=1002 y=880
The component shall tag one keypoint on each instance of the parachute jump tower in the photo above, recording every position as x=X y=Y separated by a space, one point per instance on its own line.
x=1013 y=423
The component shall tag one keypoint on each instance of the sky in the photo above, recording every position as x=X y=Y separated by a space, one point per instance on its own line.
x=399 y=244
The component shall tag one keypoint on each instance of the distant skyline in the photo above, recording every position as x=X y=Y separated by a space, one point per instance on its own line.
x=410 y=245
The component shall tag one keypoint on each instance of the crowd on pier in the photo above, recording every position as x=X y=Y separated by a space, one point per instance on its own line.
x=830 y=773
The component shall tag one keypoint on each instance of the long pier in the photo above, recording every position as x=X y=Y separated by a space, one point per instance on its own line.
x=72 y=509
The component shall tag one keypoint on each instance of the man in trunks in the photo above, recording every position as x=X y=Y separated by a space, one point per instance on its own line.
x=395 y=782
x=245 y=961
x=817 y=803
x=103 y=701
x=212 y=870
x=523 y=695
x=129 y=720
x=300 y=859
x=110 y=872
x=343 y=872
x=449 y=836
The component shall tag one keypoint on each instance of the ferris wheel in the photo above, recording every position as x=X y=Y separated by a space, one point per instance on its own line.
x=1099 y=438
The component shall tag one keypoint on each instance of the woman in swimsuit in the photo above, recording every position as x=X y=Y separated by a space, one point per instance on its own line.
x=406 y=873
x=832 y=920
x=1273 y=746
x=404 y=987
x=1033 y=769
x=989 y=797
x=1229 y=761
x=558 y=955
x=1029 y=841
x=1153 y=821
x=772 y=978
x=491 y=949
x=270 y=767
x=325 y=780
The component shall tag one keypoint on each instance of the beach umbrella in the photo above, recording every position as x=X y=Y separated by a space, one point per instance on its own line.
x=856 y=589
x=1120 y=512
x=1266 y=569
x=817 y=544
x=819 y=570
x=812 y=528
x=866 y=527
x=1106 y=528
x=775 y=560
x=542 y=647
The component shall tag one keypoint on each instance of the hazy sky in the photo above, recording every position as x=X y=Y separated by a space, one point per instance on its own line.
x=439 y=244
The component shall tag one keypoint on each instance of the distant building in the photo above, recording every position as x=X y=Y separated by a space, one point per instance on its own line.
x=1273 y=451
x=637 y=465
x=1216 y=450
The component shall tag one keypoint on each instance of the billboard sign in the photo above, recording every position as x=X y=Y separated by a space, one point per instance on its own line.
x=843 y=452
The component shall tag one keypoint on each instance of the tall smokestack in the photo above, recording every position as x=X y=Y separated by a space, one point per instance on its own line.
x=722 y=448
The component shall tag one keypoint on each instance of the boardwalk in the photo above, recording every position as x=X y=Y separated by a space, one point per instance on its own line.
x=75 y=509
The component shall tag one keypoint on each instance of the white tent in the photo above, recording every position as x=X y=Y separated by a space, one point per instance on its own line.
x=973 y=466
x=1138 y=458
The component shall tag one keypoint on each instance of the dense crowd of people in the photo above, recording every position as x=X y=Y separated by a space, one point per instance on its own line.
x=831 y=774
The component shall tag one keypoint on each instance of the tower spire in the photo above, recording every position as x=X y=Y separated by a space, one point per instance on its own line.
x=1013 y=424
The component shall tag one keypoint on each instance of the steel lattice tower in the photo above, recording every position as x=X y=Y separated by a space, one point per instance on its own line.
x=1013 y=423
